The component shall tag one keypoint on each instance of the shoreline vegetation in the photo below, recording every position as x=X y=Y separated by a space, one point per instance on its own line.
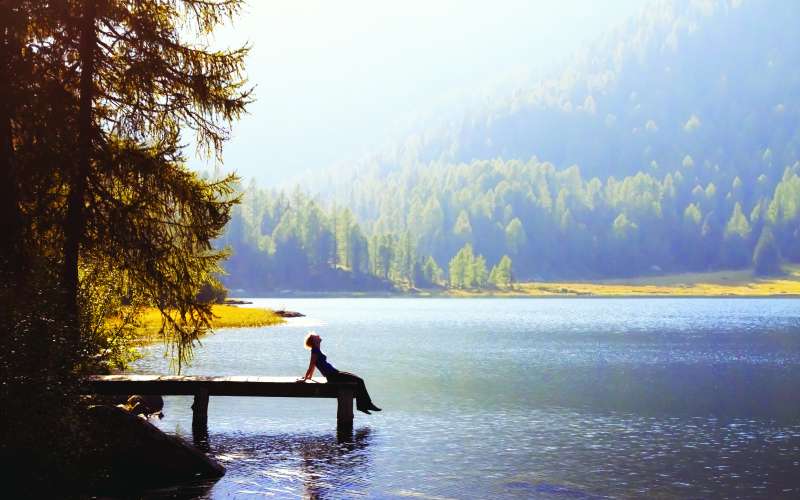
x=733 y=283
x=690 y=285
x=224 y=316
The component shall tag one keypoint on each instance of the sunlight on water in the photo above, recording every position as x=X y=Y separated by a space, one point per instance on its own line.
x=305 y=322
x=515 y=399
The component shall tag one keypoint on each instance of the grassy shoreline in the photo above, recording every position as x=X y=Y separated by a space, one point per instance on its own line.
x=225 y=316
x=721 y=284
x=739 y=283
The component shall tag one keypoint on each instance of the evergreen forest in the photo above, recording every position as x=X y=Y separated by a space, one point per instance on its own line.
x=670 y=145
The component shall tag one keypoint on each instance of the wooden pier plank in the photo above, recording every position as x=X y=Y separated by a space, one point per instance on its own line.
x=202 y=387
x=187 y=385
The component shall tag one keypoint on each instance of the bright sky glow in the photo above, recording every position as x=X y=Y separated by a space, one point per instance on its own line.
x=337 y=79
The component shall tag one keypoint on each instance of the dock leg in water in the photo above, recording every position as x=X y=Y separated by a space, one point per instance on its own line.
x=200 y=412
x=344 y=412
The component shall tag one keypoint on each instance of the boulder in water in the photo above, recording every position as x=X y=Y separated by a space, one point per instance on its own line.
x=131 y=451
x=283 y=313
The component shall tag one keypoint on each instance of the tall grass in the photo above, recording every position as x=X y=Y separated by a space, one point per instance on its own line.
x=149 y=321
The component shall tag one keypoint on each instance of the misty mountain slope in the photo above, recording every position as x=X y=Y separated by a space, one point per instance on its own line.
x=670 y=145
x=715 y=80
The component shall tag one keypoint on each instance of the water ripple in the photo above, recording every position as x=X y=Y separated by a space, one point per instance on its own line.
x=515 y=399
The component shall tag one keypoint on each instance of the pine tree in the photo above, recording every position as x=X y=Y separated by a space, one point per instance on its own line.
x=479 y=273
x=461 y=268
x=766 y=257
x=463 y=227
x=468 y=260
x=431 y=272
x=737 y=224
x=515 y=236
x=501 y=275
x=130 y=201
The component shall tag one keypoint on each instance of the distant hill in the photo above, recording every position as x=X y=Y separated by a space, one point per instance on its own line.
x=714 y=80
x=672 y=144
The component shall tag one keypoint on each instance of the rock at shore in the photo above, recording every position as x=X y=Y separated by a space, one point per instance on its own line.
x=132 y=451
x=289 y=314
x=236 y=302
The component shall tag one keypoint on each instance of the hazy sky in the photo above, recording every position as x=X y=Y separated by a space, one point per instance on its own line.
x=336 y=79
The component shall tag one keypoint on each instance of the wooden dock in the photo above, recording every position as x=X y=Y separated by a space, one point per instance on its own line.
x=203 y=387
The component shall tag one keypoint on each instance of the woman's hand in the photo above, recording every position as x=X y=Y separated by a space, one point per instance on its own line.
x=311 y=367
x=301 y=380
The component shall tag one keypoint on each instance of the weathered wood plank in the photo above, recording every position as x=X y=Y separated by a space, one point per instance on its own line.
x=201 y=387
x=168 y=385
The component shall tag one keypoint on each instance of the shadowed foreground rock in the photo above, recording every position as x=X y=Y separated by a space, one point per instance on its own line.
x=134 y=452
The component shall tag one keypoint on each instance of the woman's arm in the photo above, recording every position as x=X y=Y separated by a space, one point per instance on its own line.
x=312 y=364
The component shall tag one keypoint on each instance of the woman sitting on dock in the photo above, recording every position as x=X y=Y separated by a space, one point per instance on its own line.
x=320 y=361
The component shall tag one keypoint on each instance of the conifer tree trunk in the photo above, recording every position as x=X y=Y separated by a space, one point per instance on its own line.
x=74 y=227
x=10 y=216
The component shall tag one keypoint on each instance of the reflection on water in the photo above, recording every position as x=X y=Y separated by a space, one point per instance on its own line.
x=307 y=465
x=516 y=399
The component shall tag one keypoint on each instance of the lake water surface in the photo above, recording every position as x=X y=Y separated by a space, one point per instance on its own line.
x=513 y=398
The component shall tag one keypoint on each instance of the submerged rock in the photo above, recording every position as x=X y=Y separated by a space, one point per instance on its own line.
x=289 y=314
x=131 y=451
x=236 y=302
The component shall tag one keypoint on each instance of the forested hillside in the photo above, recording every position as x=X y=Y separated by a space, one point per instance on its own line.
x=712 y=80
x=671 y=145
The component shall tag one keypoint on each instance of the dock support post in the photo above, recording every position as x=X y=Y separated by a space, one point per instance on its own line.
x=344 y=411
x=200 y=411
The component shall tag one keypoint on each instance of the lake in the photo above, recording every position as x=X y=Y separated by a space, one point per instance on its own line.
x=512 y=398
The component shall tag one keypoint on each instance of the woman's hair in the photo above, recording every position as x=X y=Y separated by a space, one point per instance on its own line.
x=308 y=342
